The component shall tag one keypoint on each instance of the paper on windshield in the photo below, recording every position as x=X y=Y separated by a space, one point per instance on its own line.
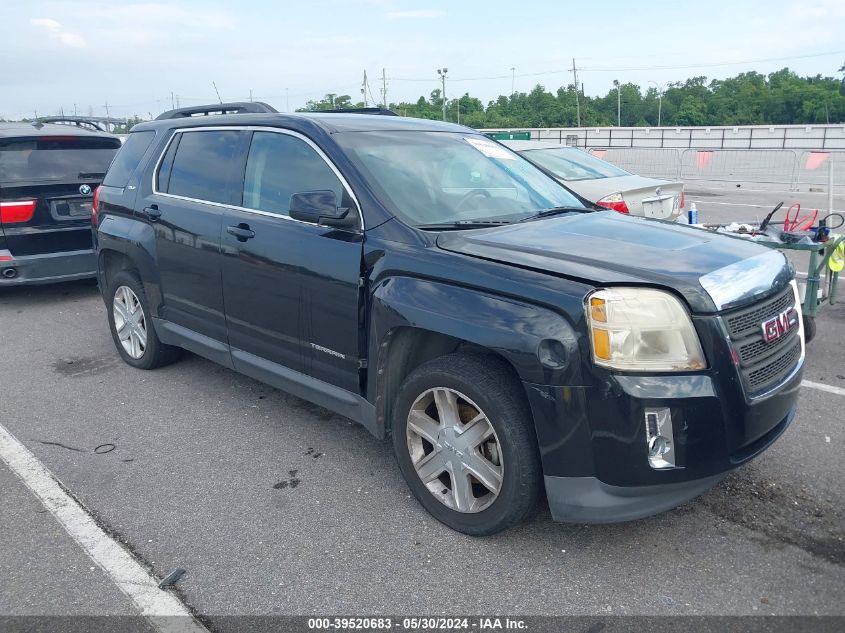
x=489 y=148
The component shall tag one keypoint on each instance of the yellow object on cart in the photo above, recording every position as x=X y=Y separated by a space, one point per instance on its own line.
x=837 y=258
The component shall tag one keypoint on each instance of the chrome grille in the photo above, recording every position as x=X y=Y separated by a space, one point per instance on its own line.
x=748 y=320
x=763 y=365
x=772 y=373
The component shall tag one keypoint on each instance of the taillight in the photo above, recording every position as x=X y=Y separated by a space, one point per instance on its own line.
x=615 y=202
x=14 y=211
x=681 y=206
x=95 y=202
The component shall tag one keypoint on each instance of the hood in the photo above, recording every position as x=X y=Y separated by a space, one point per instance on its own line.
x=607 y=248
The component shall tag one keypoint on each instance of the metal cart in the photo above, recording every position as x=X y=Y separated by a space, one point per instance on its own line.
x=817 y=271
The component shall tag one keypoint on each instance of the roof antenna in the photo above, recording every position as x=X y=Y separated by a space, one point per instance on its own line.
x=217 y=91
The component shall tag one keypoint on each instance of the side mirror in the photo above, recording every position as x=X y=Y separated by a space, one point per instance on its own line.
x=320 y=207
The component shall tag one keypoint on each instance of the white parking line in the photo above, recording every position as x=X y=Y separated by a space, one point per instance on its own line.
x=839 y=391
x=163 y=610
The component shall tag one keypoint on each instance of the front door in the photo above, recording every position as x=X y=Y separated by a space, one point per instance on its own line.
x=290 y=287
x=195 y=178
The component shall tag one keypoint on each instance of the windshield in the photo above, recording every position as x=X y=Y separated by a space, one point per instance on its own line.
x=573 y=164
x=446 y=177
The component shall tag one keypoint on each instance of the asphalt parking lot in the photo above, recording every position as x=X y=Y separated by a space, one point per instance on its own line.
x=275 y=506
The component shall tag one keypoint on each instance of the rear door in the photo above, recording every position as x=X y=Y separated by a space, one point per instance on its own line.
x=291 y=287
x=198 y=174
x=46 y=185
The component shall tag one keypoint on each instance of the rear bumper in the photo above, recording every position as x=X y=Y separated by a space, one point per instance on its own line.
x=49 y=268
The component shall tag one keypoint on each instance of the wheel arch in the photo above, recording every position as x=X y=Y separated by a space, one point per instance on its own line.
x=416 y=320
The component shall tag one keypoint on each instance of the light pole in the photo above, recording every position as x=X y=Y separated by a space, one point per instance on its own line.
x=513 y=80
x=442 y=72
x=659 y=100
x=618 y=103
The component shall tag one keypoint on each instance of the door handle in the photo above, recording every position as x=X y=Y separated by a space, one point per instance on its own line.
x=241 y=231
x=152 y=212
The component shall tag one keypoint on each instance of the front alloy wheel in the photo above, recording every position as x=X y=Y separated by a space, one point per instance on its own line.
x=454 y=449
x=464 y=440
x=130 y=322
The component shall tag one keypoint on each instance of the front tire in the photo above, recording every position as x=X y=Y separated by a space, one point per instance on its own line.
x=464 y=441
x=131 y=324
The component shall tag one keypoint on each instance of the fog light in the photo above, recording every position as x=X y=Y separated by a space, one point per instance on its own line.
x=659 y=438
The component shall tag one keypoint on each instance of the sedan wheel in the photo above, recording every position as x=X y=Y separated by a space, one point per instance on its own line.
x=130 y=322
x=454 y=450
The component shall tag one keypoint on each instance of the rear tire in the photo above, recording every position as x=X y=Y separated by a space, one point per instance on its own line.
x=466 y=418
x=131 y=324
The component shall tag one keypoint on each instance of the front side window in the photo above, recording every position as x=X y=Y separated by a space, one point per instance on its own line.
x=445 y=177
x=573 y=164
x=204 y=164
x=280 y=165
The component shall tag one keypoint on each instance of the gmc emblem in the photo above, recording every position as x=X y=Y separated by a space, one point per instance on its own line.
x=779 y=325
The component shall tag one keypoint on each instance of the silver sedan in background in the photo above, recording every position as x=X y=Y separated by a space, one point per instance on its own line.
x=603 y=183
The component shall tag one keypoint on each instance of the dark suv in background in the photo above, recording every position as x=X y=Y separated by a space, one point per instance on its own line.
x=48 y=174
x=439 y=289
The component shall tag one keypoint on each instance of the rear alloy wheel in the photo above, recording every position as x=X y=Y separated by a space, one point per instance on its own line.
x=131 y=324
x=464 y=440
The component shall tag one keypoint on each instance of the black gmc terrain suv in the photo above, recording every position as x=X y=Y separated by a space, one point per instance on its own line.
x=48 y=174
x=439 y=289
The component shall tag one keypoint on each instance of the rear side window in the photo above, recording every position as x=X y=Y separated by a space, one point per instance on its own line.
x=55 y=159
x=127 y=159
x=280 y=165
x=204 y=164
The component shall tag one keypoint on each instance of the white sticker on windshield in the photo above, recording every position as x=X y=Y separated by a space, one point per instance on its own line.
x=489 y=148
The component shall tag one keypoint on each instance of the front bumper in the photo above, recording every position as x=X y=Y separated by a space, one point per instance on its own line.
x=49 y=268
x=593 y=440
x=589 y=500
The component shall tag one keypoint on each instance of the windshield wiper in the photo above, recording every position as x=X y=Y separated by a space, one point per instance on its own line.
x=545 y=213
x=463 y=224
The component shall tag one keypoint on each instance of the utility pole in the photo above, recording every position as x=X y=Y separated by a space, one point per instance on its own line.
x=172 y=101
x=659 y=88
x=618 y=103
x=74 y=109
x=384 y=88
x=442 y=72
x=513 y=80
x=250 y=95
x=106 y=106
x=577 y=100
x=364 y=88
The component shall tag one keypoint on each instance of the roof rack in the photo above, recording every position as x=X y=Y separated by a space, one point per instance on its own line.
x=77 y=121
x=379 y=110
x=239 y=107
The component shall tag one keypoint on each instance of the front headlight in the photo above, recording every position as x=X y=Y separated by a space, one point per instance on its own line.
x=640 y=329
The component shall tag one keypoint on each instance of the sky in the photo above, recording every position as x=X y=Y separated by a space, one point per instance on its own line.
x=138 y=56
